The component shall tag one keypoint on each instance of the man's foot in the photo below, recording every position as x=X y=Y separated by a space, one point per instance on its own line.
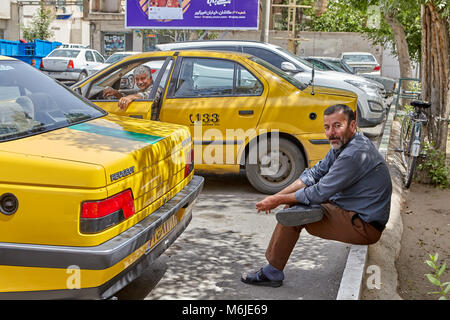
x=259 y=279
x=299 y=215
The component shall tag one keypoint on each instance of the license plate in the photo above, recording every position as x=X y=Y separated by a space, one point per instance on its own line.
x=161 y=232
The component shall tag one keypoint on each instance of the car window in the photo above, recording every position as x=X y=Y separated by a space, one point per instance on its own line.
x=206 y=77
x=115 y=57
x=122 y=78
x=64 y=53
x=358 y=58
x=89 y=56
x=247 y=83
x=318 y=64
x=280 y=73
x=32 y=103
x=266 y=55
x=98 y=57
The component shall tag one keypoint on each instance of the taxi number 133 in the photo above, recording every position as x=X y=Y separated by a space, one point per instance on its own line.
x=204 y=117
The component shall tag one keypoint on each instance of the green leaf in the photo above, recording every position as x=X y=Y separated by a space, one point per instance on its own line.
x=433 y=279
x=431 y=264
x=441 y=271
x=447 y=290
x=443 y=298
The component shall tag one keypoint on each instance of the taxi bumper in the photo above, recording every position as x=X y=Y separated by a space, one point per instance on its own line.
x=130 y=253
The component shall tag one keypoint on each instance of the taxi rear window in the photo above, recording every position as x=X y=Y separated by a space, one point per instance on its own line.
x=33 y=103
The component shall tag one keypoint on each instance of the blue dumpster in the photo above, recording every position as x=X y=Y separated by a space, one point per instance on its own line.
x=30 y=52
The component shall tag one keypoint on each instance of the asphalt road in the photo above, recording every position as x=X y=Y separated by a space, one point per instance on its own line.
x=227 y=237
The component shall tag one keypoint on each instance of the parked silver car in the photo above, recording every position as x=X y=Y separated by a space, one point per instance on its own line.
x=70 y=64
x=362 y=62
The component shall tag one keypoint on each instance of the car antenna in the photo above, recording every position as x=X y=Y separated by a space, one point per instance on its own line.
x=312 y=81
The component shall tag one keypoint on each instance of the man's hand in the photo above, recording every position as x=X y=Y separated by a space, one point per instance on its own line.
x=271 y=202
x=125 y=101
x=268 y=204
x=110 y=92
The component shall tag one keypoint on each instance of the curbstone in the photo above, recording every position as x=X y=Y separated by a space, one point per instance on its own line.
x=386 y=250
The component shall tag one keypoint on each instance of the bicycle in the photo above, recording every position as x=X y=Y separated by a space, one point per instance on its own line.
x=411 y=137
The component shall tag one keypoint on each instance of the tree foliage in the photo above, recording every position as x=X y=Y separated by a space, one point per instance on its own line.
x=369 y=18
x=39 y=27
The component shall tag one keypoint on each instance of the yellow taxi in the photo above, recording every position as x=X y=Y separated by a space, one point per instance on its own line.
x=243 y=112
x=87 y=200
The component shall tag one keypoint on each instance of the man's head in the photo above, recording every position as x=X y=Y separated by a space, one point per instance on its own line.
x=143 y=77
x=340 y=125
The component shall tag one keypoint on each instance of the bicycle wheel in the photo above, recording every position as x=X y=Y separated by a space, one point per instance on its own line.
x=405 y=139
x=410 y=171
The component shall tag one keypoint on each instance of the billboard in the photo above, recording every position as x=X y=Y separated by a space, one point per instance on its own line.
x=192 y=14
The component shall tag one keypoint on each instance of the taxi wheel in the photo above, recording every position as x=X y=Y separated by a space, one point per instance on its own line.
x=275 y=168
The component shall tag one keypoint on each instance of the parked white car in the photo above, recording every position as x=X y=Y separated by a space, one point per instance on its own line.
x=362 y=62
x=116 y=56
x=371 y=106
x=70 y=64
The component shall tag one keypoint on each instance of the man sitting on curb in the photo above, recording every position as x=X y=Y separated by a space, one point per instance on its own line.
x=351 y=184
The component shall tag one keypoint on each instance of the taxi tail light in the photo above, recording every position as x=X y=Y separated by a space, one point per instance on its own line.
x=377 y=68
x=189 y=163
x=70 y=64
x=41 y=66
x=102 y=214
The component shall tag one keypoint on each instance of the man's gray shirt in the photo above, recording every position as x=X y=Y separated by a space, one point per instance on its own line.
x=355 y=178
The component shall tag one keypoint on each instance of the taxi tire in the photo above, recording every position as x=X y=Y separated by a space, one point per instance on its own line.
x=83 y=75
x=296 y=161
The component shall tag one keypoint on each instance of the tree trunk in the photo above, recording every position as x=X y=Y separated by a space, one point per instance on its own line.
x=401 y=45
x=435 y=73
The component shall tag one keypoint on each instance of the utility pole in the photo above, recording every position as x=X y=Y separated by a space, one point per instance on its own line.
x=292 y=13
x=265 y=21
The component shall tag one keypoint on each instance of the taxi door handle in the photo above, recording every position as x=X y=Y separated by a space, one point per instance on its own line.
x=245 y=112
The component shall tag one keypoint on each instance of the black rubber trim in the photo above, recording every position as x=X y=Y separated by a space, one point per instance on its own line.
x=319 y=141
x=106 y=254
x=94 y=225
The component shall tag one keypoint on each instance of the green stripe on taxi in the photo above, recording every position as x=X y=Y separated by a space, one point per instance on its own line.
x=116 y=133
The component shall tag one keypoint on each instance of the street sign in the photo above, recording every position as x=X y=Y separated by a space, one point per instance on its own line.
x=192 y=14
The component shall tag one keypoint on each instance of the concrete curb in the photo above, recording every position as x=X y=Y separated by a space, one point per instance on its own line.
x=350 y=287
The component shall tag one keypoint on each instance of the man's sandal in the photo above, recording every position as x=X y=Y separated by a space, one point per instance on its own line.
x=299 y=215
x=259 y=279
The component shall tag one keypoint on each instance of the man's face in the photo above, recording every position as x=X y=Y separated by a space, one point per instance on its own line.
x=143 y=81
x=338 y=130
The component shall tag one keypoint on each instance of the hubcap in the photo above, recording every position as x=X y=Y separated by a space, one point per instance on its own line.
x=275 y=166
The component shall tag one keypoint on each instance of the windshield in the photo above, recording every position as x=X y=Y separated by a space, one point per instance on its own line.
x=358 y=58
x=33 y=103
x=116 y=57
x=303 y=62
x=280 y=73
x=64 y=53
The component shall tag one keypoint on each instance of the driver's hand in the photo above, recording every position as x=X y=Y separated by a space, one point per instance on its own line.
x=110 y=92
x=124 y=102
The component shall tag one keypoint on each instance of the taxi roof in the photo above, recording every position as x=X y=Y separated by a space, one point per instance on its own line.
x=199 y=52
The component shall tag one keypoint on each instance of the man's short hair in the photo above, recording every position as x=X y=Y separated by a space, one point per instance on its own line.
x=143 y=69
x=349 y=113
